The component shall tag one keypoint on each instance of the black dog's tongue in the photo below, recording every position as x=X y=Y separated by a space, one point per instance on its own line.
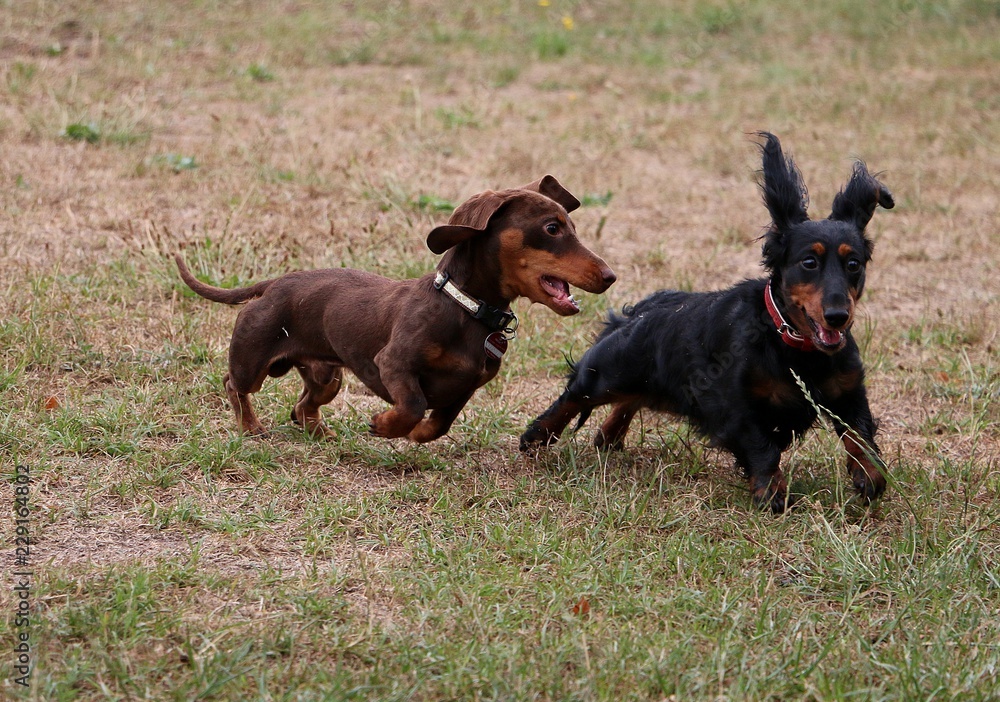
x=829 y=337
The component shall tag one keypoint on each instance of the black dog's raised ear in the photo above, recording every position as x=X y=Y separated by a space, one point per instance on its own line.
x=784 y=192
x=468 y=220
x=551 y=188
x=857 y=201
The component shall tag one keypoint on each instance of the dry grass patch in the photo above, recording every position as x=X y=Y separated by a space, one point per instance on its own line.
x=174 y=560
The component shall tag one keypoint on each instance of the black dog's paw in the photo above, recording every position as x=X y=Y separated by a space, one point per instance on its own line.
x=868 y=488
x=774 y=496
x=535 y=437
x=602 y=443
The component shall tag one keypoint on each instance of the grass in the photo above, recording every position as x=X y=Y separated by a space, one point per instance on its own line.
x=174 y=559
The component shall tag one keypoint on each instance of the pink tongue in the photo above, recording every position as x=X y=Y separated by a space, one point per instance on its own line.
x=829 y=336
x=559 y=289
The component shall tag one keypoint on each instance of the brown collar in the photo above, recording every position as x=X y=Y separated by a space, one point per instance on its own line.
x=787 y=331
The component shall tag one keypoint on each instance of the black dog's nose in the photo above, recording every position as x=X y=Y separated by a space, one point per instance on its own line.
x=836 y=318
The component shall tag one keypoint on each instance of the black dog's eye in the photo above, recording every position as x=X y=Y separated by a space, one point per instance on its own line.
x=810 y=263
x=853 y=265
x=552 y=228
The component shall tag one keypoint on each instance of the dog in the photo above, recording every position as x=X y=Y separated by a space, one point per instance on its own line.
x=725 y=360
x=423 y=344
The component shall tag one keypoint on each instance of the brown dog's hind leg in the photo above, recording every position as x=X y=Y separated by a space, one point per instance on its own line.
x=611 y=435
x=245 y=417
x=322 y=381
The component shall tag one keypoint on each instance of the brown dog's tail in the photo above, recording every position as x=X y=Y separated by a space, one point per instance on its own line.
x=230 y=296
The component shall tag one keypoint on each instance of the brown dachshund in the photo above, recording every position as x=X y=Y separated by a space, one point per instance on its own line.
x=423 y=344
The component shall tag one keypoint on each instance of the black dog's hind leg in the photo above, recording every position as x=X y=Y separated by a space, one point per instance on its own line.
x=591 y=385
x=611 y=435
x=549 y=425
x=856 y=427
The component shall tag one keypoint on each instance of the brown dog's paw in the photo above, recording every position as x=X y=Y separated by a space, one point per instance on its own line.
x=427 y=430
x=312 y=424
x=392 y=424
x=259 y=432
x=254 y=429
x=318 y=430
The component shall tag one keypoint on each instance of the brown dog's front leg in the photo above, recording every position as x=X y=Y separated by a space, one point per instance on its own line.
x=408 y=401
x=438 y=423
x=398 y=421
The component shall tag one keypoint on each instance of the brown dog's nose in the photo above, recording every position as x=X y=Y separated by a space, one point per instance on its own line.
x=608 y=276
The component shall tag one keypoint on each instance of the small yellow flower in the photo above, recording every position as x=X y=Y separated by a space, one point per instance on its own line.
x=568 y=23
x=543 y=3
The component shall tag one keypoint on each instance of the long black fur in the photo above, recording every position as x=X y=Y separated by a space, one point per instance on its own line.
x=717 y=357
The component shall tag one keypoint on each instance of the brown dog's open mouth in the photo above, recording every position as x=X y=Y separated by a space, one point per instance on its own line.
x=559 y=298
x=826 y=339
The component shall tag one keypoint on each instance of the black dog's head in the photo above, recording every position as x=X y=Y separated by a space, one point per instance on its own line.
x=817 y=268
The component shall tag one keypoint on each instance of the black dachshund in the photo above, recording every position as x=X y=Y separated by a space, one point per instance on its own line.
x=725 y=359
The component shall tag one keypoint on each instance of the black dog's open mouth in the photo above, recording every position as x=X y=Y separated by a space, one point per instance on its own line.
x=827 y=339
x=558 y=291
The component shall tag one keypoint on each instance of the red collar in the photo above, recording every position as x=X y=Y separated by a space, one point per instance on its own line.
x=788 y=333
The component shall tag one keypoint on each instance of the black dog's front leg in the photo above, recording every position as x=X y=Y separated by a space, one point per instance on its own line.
x=853 y=422
x=760 y=459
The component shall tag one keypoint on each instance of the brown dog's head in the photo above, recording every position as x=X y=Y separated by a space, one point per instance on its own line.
x=528 y=234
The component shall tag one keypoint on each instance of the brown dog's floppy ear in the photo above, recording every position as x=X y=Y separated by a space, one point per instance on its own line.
x=551 y=188
x=469 y=219
x=445 y=236
x=473 y=216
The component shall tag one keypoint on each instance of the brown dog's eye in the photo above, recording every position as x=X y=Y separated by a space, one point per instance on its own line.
x=853 y=266
x=552 y=228
x=810 y=263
